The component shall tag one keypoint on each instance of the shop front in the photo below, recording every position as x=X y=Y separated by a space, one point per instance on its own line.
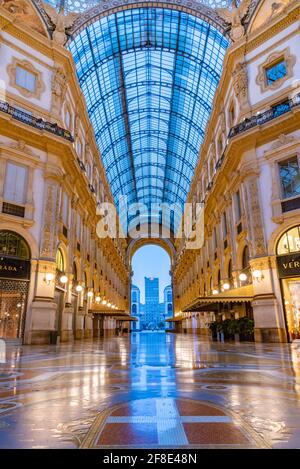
x=288 y=268
x=14 y=284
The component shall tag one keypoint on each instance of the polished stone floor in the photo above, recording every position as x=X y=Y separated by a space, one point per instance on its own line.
x=150 y=390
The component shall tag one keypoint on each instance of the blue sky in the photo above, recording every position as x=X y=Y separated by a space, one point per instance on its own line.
x=151 y=261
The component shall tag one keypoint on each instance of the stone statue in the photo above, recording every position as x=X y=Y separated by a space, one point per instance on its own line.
x=61 y=23
x=234 y=17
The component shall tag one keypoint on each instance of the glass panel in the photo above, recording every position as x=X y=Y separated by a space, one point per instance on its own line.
x=291 y=294
x=149 y=76
x=290 y=241
x=25 y=79
x=290 y=177
x=276 y=72
x=13 y=245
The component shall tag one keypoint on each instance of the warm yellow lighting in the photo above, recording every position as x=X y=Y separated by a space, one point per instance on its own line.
x=243 y=277
x=90 y=294
x=257 y=274
x=63 y=279
x=215 y=292
x=98 y=299
x=226 y=286
x=49 y=277
x=79 y=288
x=104 y=302
x=109 y=304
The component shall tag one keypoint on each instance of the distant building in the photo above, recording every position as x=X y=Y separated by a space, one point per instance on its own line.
x=152 y=301
x=168 y=304
x=135 y=306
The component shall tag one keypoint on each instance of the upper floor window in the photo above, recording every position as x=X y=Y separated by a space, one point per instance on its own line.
x=224 y=225
x=289 y=172
x=65 y=209
x=231 y=114
x=238 y=206
x=25 y=79
x=68 y=119
x=275 y=71
x=15 y=183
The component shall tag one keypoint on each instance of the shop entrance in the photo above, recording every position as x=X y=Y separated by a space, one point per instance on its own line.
x=14 y=283
x=288 y=267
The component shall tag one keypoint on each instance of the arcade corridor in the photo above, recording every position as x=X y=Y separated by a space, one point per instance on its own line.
x=150 y=390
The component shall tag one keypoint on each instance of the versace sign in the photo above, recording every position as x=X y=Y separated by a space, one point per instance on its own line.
x=289 y=265
x=14 y=268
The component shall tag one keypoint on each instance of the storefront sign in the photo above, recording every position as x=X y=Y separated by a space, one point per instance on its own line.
x=14 y=268
x=289 y=265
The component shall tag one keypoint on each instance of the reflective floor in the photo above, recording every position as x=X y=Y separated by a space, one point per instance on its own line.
x=150 y=390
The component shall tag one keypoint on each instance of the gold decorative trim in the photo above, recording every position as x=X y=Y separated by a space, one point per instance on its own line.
x=272 y=59
x=29 y=67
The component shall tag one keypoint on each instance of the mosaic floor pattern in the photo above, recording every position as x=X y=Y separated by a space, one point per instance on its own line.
x=150 y=390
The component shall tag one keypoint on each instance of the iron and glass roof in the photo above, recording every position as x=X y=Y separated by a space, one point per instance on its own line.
x=149 y=76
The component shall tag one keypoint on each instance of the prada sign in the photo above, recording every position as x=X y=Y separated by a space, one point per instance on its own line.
x=289 y=265
x=14 y=268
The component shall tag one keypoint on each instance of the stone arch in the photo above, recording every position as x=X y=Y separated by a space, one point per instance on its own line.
x=64 y=251
x=164 y=243
x=7 y=226
x=278 y=232
x=239 y=254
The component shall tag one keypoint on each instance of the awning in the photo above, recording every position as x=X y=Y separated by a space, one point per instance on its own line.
x=125 y=318
x=175 y=319
x=211 y=303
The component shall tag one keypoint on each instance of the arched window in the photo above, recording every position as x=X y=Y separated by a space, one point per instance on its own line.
x=245 y=259
x=289 y=241
x=13 y=245
x=230 y=271
x=74 y=272
x=60 y=264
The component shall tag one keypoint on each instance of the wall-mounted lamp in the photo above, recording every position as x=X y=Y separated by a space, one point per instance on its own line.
x=243 y=277
x=90 y=294
x=78 y=288
x=63 y=279
x=215 y=292
x=98 y=299
x=104 y=302
x=109 y=304
x=48 y=278
x=258 y=275
x=226 y=286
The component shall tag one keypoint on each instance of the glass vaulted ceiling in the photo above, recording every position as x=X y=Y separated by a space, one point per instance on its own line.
x=149 y=76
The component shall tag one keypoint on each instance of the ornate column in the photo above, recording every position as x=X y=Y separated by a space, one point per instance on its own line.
x=268 y=314
x=43 y=310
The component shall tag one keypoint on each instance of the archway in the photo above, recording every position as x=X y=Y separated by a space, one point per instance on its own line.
x=15 y=258
x=151 y=288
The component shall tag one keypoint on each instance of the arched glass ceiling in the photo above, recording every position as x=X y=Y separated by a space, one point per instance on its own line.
x=84 y=5
x=149 y=76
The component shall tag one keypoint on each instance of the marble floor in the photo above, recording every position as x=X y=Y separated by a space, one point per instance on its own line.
x=150 y=390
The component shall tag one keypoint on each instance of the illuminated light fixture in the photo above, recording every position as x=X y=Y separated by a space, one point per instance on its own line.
x=215 y=292
x=257 y=274
x=104 y=302
x=243 y=277
x=98 y=299
x=19 y=305
x=63 y=279
x=226 y=286
x=79 y=288
x=48 y=277
x=90 y=294
x=109 y=304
